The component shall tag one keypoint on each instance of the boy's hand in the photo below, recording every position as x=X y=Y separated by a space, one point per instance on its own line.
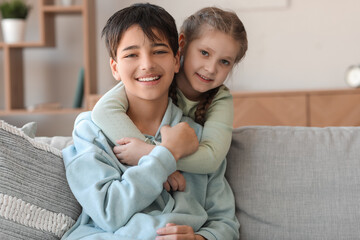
x=180 y=140
x=130 y=150
x=173 y=231
x=175 y=182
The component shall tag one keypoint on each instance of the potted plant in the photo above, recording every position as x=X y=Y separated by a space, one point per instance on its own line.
x=14 y=13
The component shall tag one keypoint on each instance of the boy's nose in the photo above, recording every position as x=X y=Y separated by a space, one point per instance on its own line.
x=147 y=62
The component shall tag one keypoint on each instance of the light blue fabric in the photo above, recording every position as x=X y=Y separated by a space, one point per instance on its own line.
x=121 y=202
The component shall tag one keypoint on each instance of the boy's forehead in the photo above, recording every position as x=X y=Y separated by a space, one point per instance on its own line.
x=152 y=34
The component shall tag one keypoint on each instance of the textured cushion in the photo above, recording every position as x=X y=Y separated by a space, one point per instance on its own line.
x=296 y=182
x=35 y=199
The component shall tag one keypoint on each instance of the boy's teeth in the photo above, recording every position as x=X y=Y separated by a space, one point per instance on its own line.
x=148 y=79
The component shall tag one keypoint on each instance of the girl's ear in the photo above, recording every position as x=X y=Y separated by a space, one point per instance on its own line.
x=181 y=43
x=114 y=70
x=177 y=61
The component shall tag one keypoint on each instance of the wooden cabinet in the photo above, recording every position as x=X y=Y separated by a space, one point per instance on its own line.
x=319 y=108
x=298 y=108
x=13 y=54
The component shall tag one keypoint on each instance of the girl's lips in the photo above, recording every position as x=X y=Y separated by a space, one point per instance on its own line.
x=203 y=78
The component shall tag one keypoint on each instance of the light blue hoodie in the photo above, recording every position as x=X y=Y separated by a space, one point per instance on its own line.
x=129 y=203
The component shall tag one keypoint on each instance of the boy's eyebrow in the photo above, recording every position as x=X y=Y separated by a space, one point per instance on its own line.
x=130 y=48
x=160 y=45
x=153 y=45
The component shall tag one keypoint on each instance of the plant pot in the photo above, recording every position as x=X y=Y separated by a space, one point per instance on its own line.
x=13 y=30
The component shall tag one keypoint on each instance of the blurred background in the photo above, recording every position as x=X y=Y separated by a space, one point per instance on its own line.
x=293 y=45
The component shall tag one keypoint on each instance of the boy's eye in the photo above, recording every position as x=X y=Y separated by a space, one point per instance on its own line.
x=204 y=53
x=160 y=52
x=130 y=55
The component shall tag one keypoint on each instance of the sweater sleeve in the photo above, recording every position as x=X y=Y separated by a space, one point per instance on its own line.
x=109 y=114
x=216 y=137
x=220 y=206
x=106 y=193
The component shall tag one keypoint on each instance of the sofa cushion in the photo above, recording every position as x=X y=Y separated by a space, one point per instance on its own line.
x=296 y=182
x=35 y=199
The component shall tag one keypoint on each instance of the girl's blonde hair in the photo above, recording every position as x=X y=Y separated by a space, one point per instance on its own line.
x=225 y=21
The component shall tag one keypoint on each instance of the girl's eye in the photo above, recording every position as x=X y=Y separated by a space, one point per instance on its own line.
x=225 y=62
x=204 y=53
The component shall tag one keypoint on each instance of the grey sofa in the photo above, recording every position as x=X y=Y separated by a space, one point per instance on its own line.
x=289 y=183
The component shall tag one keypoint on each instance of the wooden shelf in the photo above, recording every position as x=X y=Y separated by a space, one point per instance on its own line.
x=38 y=112
x=13 y=56
x=21 y=45
x=62 y=9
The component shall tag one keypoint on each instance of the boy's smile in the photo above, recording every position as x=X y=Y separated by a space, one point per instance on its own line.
x=145 y=67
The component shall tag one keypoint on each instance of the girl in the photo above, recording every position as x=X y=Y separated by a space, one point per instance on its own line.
x=211 y=42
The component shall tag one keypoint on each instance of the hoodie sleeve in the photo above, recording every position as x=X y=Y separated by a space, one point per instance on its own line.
x=109 y=114
x=216 y=137
x=109 y=196
x=220 y=206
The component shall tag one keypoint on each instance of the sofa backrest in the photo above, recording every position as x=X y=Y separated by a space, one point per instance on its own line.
x=296 y=182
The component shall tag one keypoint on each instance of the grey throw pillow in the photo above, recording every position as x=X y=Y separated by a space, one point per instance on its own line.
x=35 y=199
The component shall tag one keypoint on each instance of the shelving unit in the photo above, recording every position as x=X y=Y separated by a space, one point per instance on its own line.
x=13 y=56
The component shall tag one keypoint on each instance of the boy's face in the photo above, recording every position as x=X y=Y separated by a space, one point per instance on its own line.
x=145 y=67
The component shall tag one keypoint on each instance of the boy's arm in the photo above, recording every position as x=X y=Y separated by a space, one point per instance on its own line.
x=109 y=194
x=216 y=137
x=109 y=114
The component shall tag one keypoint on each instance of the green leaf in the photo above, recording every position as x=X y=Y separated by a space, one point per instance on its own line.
x=14 y=9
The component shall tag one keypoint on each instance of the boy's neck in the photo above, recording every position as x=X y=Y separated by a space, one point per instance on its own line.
x=147 y=115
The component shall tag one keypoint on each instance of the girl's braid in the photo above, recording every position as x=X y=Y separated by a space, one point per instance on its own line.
x=173 y=93
x=200 y=113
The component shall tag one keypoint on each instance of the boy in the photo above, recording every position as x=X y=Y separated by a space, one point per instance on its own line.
x=121 y=202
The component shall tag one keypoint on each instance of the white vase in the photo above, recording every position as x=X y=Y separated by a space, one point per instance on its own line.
x=13 y=30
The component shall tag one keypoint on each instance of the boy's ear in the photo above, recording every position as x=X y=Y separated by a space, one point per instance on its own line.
x=181 y=43
x=114 y=70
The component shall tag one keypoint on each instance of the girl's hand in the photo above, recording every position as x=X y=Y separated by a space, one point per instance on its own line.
x=175 y=182
x=181 y=232
x=130 y=150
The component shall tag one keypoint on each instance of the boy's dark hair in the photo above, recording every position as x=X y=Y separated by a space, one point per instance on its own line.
x=149 y=17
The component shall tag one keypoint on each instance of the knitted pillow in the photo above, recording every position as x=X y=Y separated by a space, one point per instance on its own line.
x=35 y=199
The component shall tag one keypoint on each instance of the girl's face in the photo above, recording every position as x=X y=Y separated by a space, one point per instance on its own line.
x=207 y=62
x=145 y=67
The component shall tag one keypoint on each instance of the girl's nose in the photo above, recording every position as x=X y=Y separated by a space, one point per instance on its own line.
x=211 y=66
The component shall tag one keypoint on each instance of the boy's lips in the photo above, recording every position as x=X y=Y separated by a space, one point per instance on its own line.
x=148 y=78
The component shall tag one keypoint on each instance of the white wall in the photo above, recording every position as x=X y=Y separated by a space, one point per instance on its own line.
x=308 y=44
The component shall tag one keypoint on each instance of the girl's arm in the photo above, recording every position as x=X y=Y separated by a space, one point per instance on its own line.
x=109 y=114
x=216 y=138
